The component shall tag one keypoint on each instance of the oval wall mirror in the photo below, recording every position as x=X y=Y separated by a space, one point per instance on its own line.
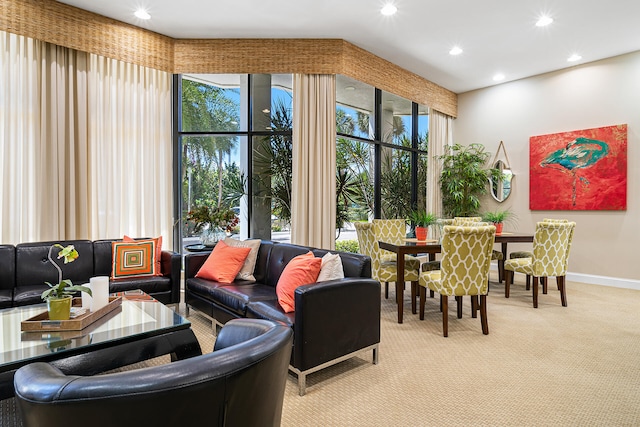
x=501 y=188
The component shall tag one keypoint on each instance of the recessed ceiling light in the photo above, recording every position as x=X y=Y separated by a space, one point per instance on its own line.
x=388 y=9
x=455 y=51
x=349 y=88
x=575 y=57
x=142 y=14
x=543 y=21
x=498 y=77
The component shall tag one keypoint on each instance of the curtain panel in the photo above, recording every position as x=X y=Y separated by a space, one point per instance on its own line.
x=313 y=194
x=85 y=145
x=440 y=137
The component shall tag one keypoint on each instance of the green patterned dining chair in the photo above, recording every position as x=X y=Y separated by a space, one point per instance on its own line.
x=464 y=270
x=496 y=255
x=550 y=257
x=383 y=263
x=529 y=254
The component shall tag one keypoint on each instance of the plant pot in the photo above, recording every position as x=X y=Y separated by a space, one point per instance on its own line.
x=421 y=233
x=59 y=308
x=498 y=226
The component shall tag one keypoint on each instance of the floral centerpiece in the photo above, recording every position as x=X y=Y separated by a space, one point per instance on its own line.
x=212 y=223
x=58 y=296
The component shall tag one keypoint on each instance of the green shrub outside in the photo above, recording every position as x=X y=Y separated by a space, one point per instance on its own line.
x=347 y=246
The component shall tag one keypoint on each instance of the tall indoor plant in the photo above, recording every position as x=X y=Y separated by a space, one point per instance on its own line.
x=464 y=179
x=59 y=295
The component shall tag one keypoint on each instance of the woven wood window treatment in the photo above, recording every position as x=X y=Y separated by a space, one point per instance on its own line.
x=85 y=145
x=313 y=195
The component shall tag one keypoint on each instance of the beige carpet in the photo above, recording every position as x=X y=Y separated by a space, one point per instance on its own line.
x=550 y=366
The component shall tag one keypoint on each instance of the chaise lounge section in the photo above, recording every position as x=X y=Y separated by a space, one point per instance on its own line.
x=333 y=320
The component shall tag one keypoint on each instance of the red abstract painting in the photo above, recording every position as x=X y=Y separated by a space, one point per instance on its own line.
x=579 y=170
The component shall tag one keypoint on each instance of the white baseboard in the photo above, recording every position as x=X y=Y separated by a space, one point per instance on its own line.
x=591 y=279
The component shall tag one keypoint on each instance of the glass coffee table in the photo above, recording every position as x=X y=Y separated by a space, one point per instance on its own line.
x=139 y=329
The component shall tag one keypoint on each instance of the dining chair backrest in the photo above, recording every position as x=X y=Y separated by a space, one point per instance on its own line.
x=368 y=245
x=551 y=247
x=389 y=229
x=555 y=220
x=466 y=259
x=466 y=220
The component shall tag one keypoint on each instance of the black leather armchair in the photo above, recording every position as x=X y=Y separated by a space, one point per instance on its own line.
x=241 y=383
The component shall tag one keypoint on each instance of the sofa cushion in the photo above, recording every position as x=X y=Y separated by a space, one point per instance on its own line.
x=149 y=284
x=331 y=268
x=133 y=259
x=6 y=298
x=30 y=294
x=270 y=310
x=33 y=266
x=301 y=270
x=7 y=268
x=237 y=296
x=246 y=272
x=281 y=254
x=157 y=257
x=224 y=263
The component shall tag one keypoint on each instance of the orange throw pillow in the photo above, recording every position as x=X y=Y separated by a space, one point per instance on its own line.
x=157 y=258
x=224 y=263
x=301 y=270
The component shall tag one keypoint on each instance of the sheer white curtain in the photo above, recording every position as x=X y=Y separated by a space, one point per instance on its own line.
x=85 y=145
x=440 y=137
x=20 y=76
x=313 y=194
x=130 y=157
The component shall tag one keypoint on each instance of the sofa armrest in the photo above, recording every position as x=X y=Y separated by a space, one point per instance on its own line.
x=170 y=264
x=335 y=318
x=193 y=262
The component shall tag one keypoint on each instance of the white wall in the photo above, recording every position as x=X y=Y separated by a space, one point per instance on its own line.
x=601 y=93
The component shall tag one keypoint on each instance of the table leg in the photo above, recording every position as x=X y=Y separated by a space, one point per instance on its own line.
x=501 y=262
x=400 y=285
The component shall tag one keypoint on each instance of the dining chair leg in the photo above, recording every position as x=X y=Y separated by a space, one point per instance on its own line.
x=386 y=290
x=508 y=277
x=474 y=306
x=557 y=282
x=528 y=281
x=444 y=303
x=544 y=284
x=431 y=293
x=414 y=293
x=423 y=297
x=535 y=291
x=562 y=284
x=459 y=306
x=483 y=314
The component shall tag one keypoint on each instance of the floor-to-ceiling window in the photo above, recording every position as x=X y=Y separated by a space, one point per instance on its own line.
x=234 y=134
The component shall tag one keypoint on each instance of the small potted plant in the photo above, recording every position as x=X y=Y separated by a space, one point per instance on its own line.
x=497 y=217
x=422 y=219
x=59 y=295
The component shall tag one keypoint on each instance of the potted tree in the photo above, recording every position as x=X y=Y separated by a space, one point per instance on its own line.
x=421 y=220
x=59 y=295
x=464 y=179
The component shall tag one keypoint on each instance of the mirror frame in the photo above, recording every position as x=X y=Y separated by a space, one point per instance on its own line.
x=497 y=188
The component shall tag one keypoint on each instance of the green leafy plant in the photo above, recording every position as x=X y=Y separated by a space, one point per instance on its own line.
x=223 y=218
x=496 y=217
x=347 y=246
x=64 y=287
x=464 y=179
x=422 y=218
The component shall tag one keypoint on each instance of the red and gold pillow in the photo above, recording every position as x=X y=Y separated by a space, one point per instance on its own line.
x=157 y=255
x=133 y=259
x=224 y=263
x=301 y=270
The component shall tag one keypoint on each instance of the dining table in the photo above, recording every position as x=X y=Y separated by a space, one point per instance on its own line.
x=408 y=246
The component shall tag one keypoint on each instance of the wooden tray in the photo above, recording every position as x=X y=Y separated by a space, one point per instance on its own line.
x=41 y=321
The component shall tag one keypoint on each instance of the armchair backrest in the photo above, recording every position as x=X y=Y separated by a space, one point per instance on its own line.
x=241 y=383
x=466 y=258
x=551 y=247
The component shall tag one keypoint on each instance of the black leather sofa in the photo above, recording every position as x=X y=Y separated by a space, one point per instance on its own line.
x=241 y=383
x=332 y=322
x=24 y=269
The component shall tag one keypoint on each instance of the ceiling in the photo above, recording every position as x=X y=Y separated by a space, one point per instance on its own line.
x=497 y=36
